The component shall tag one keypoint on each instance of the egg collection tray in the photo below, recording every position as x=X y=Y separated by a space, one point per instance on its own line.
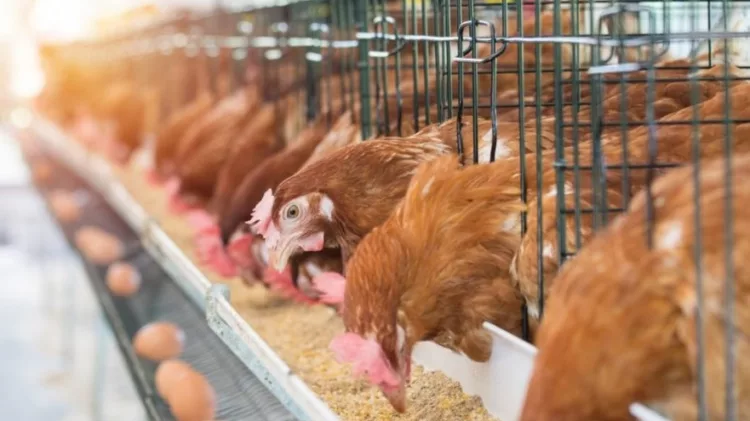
x=241 y=395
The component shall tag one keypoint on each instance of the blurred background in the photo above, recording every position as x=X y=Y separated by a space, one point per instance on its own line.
x=23 y=23
x=56 y=353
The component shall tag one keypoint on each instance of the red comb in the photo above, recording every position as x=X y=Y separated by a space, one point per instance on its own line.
x=175 y=202
x=206 y=246
x=153 y=177
x=261 y=217
x=281 y=282
x=272 y=235
x=172 y=186
x=210 y=251
x=177 y=205
x=331 y=286
x=239 y=250
x=202 y=221
x=223 y=265
x=367 y=358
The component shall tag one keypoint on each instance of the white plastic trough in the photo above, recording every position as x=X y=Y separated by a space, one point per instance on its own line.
x=500 y=383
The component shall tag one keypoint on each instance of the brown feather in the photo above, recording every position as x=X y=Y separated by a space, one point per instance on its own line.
x=365 y=181
x=674 y=146
x=440 y=262
x=268 y=175
x=257 y=140
x=175 y=128
x=620 y=326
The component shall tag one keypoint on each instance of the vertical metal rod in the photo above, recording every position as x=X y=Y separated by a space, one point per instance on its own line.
x=439 y=70
x=364 y=69
x=700 y=364
x=522 y=115
x=339 y=29
x=493 y=94
x=382 y=66
x=425 y=68
x=349 y=20
x=474 y=82
x=729 y=287
x=328 y=60
x=399 y=98
x=522 y=136
x=559 y=150
x=459 y=117
x=414 y=72
x=652 y=144
x=449 y=70
x=576 y=106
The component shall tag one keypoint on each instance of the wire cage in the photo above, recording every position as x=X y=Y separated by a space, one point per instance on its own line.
x=601 y=97
x=593 y=100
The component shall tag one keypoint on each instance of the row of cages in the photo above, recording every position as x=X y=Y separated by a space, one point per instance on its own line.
x=594 y=99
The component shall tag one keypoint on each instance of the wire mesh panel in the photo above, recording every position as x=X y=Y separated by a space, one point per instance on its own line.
x=599 y=99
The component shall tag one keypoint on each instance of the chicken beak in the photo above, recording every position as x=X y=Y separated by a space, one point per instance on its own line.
x=397 y=397
x=279 y=256
x=290 y=245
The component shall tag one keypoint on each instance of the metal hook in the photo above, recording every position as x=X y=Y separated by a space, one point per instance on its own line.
x=379 y=21
x=608 y=18
x=461 y=57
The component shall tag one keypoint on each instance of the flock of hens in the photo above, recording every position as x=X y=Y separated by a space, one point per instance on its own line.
x=413 y=243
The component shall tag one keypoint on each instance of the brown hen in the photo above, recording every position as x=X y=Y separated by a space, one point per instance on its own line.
x=267 y=175
x=435 y=270
x=174 y=129
x=255 y=142
x=336 y=200
x=316 y=208
x=123 y=108
x=621 y=324
x=674 y=147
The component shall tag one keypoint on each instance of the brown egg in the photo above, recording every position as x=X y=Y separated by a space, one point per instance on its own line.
x=159 y=341
x=64 y=206
x=98 y=246
x=123 y=279
x=192 y=399
x=170 y=373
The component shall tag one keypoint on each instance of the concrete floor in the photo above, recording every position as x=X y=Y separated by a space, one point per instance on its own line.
x=57 y=358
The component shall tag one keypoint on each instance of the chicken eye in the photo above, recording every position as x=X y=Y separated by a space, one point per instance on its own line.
x=292 y=212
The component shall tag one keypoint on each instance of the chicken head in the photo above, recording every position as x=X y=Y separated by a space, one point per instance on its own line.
x=384 y=360
x=300 y=227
